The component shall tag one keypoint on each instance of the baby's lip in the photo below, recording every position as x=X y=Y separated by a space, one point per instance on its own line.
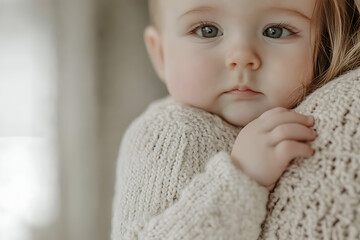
x=242 y=89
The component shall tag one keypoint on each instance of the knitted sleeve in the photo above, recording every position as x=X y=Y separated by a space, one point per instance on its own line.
x=175 y=180
x=319 y=197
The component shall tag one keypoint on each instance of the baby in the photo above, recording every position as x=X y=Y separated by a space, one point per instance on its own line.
x=199 y=163
x=247 y=62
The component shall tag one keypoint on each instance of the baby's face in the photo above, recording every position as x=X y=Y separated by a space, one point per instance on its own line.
x=237 y=58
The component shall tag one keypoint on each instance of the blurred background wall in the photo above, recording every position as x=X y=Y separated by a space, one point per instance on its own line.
x=73 y=75
x=127 y=82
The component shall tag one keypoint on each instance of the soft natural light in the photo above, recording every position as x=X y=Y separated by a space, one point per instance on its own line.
x=28 y=163
x=27 y=183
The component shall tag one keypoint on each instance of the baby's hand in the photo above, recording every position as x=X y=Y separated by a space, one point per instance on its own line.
x=264 y=147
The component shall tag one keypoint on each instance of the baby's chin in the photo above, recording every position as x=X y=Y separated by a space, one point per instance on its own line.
x=240 y=120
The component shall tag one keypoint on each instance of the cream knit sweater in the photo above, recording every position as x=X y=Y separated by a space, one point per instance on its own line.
x=175 y=179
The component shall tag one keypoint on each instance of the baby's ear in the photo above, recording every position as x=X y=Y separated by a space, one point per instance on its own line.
x=155 y=49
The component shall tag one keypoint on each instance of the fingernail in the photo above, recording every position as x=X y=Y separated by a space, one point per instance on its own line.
x=311 y=119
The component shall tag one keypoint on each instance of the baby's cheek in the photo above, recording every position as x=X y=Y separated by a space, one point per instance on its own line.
x=188 y=88
x=288 y=86
x=191 y=81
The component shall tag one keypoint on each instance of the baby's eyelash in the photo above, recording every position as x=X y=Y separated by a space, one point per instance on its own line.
x=287 y=26
x=200 y=25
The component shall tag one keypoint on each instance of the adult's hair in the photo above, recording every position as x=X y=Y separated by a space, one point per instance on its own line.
x=337 y=41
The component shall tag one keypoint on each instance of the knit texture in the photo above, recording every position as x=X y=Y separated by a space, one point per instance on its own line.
x=319 y=197
x=175 y=179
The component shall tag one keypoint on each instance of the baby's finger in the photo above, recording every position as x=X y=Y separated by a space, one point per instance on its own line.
x=273 y=111
x=277 y=119
x=291 y=131
x=288 y=150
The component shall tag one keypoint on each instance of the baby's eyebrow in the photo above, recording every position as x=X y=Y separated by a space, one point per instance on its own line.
x=200 y=9
x=291 y=11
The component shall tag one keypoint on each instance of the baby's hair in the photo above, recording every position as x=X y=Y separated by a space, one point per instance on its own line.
x=337 y=41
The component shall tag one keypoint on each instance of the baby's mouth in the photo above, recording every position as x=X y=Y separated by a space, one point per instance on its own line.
x=243 y=92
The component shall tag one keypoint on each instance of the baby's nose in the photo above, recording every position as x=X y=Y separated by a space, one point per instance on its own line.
x=241 y=59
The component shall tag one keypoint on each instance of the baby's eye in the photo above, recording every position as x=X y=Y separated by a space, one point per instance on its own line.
x=278 y=32
x=208 y=31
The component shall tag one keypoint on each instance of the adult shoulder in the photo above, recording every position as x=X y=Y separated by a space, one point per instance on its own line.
x=337 y=93
x=336 y=108
x=318 y=197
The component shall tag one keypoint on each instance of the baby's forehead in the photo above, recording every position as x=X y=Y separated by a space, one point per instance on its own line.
x=237 y=6
x=168 y=12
